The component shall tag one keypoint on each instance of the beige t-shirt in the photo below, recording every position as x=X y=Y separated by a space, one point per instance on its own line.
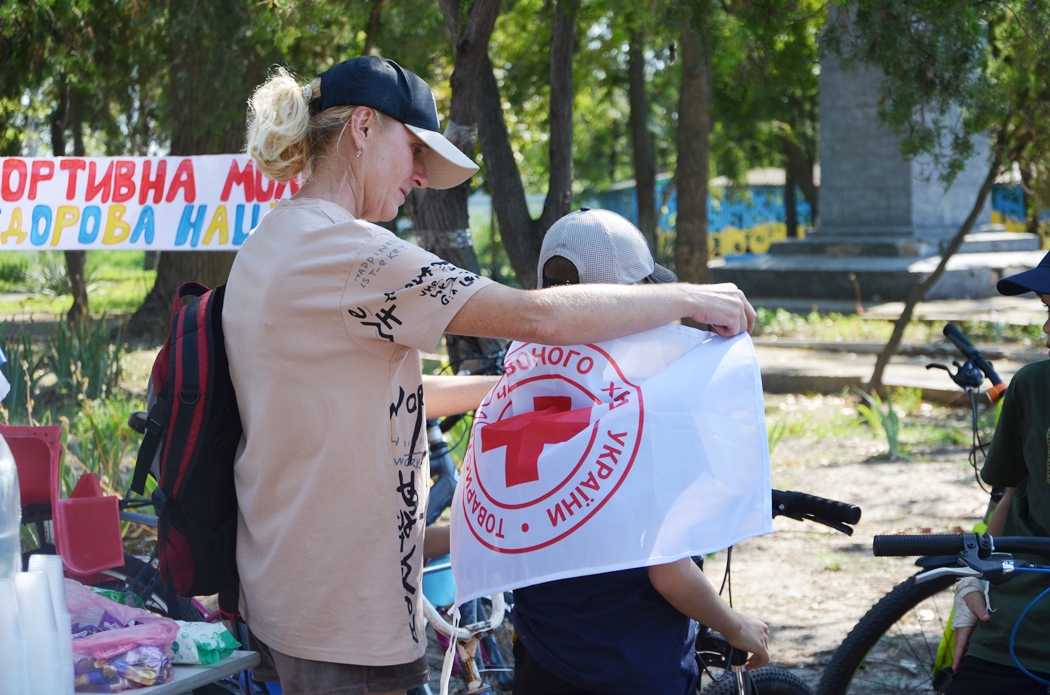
x=324 y=319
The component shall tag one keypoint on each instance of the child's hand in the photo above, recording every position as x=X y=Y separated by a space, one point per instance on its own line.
x=971 y=607
x=751 y=635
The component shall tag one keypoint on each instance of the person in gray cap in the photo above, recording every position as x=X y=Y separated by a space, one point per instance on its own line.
x=1019 y=460
x=630 y=631
x=325 y=317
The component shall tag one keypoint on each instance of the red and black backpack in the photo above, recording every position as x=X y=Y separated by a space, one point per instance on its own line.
x=192 y=432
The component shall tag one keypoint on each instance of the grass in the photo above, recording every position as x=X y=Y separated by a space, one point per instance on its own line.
x=799 y=427
x=832 y=327
x=35 y=281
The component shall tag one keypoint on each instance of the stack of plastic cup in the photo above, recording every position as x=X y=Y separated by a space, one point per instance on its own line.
x=39 y=633
x=12 y=663
x=51 y=567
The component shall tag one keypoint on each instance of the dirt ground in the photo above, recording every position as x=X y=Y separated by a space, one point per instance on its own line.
x=810 y=583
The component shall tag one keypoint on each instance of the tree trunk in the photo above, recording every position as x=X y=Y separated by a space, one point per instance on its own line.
x=440 y=218
x=559 y=185
x=799 y=163
x=504 y=181
x=1031 y=208
x=372 y=30
x=67 y=112
x=523 y=236
x=920 y=290
x=207 y=117
x=693 y=142
x=641 y=139
x=790 y=205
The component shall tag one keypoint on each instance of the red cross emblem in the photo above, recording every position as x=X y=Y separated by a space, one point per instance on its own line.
x=525 y=435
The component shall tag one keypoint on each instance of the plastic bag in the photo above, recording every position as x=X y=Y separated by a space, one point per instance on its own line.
x=117 y=647
x=90 y=612
x=203 y=643
x=125 y=657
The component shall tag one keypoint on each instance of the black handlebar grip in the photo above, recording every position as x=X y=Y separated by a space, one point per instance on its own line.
x=791 y=502
x=952 y=333
x=908 y=546
x=1034 y=545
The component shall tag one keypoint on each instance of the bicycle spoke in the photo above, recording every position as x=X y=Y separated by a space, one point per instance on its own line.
x=902 y=660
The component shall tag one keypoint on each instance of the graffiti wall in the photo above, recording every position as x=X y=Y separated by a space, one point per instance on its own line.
x=748 y=218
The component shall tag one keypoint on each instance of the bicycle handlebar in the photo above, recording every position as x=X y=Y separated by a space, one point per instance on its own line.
x=821 y=509
x=952 y=544
x=962 y=343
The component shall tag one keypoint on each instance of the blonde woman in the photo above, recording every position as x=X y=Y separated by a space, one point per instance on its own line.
x=325 y=316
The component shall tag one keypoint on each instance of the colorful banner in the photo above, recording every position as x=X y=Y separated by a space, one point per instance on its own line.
x=200 y=203
x=627 y=453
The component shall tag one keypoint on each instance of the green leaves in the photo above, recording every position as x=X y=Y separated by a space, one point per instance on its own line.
x=954 y=70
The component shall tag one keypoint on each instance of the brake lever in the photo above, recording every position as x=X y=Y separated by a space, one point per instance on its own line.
x=967 y=375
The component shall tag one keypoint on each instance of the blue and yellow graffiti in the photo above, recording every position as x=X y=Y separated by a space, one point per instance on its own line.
x=748 y=219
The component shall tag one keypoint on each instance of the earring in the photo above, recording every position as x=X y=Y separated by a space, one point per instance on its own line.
x=358 y=154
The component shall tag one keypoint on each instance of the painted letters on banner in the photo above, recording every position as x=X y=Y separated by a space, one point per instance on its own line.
x=592 y=458
x=200 y=203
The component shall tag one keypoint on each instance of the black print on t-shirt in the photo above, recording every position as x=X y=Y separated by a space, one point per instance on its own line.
x=385 y=318
x=441 y=288
x=408 y=516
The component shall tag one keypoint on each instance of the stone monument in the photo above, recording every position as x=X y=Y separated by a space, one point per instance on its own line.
x=884 y=219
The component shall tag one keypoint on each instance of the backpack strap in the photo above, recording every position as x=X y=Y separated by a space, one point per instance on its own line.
x=157 y=420
x=185 y=394
x=155 y=423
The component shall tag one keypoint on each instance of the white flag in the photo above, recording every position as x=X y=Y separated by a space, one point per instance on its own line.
x=609 y=456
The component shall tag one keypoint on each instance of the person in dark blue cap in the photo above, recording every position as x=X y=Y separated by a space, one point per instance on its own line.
x=1019 y=460
x=325 y=317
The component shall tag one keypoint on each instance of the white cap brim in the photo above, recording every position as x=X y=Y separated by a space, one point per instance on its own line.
x=447 y=166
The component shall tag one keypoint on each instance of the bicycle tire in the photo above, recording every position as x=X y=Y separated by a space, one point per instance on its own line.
x=904 y=661
x=767 y=680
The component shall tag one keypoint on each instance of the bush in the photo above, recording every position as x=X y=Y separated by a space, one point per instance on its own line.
x=85 y=360
x=14 y=269
x=100 y=439
x=23 y=370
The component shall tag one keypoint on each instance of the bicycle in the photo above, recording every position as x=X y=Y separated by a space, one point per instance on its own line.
x=481 y=653
x=714 y=652
x=903 y=642
x=946 y=558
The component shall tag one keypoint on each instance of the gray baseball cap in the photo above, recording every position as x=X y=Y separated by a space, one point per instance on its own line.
x=604 y=247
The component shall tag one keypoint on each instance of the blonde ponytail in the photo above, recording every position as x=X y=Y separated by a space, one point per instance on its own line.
x=284 y=139
x=278 y=125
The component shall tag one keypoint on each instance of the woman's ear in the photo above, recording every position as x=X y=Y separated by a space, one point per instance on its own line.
x=362 y=126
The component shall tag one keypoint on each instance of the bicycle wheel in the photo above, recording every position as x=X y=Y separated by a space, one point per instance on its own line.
x=894 y=647
x=768 y=680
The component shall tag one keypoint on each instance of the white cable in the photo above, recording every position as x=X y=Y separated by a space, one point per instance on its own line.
x=450 y=653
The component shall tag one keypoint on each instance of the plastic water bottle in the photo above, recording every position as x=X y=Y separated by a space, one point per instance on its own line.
x=13 y=677
x=10 y=514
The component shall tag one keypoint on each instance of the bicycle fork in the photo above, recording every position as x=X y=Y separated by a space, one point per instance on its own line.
x=738 y=661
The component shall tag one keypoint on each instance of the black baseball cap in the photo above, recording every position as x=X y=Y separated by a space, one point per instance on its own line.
x=404 y=96
x=1035 y=280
